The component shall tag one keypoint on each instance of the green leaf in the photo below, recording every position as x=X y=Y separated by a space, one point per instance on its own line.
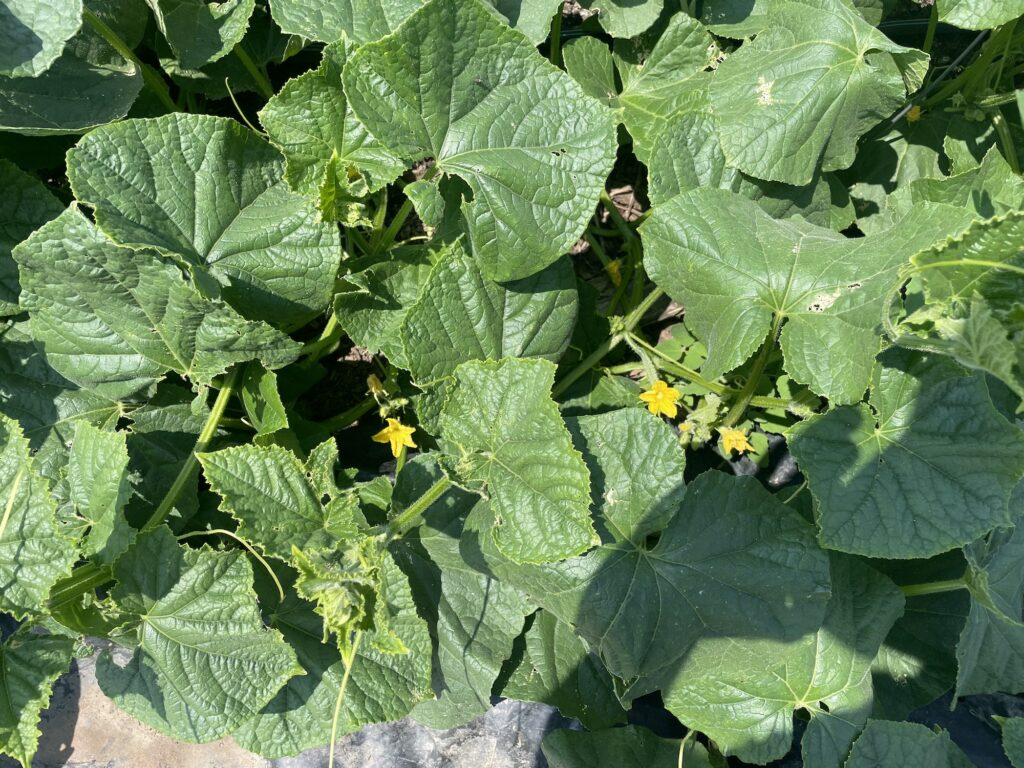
x=328 y=153
x=629 y=747
x=262 y=400
x=461 y=315
x=742 y=691
x=454 y=83
x=200 y=32
x=531 y=17
x=269 y=491
x=29 y=665
x=929 y=466
x=733 y=562
x=116 y=320
x=506 y=437
x=1013 y=740
x=990 y=654
x=735 y=18
x=589 y=62
x=381 y=687
x=814 y=81
x=625 y=18
x=558 y=669
x=905 y=745
x=234 y=217
x=72 y=96
x=32 y=36
x=373 y=312
x=990 y=189
x=99 y=487
x=742 y=274
x=979 y=14
x=33 y=553
x=636 y=469
x=360 y=20
x=26 y=205
x=204 y=662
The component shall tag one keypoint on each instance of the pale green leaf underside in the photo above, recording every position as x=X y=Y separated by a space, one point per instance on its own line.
x=72 y=96
x=33 y=553
x=886 y=744
x=454 y=83
x=204 y=663
x=928 y=467
x=504 y=433
x=116 y=320
x=29 y=665
x=199 y=32
x=209 y=192
x=32 y=34
x=461 y=315
x=808 y=86
x=979 y=14
x=26 y=205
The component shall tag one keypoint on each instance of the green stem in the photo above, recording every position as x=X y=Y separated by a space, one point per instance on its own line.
x=349 y=417
x=255 y=72
x=631 y=321
x=387 y=237
x=1000 y=265
x=85 y=578
x=330 y=336
x=671 y=366
x=205 y=437
x=620 y=223
x=149 y=75
x=408 y=518
x=347 y=659
x=244 y=543
x=746 y=394
x=555 y=54
x=933 y=587
x=933 y=23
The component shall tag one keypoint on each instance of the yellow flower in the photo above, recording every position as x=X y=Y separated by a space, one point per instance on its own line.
x=914 y=114
x=734 y=440
x=374 y=385
x=661 y=399
x=397 y=434
x=614 y=270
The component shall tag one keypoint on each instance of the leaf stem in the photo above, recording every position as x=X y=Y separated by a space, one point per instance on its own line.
x=613 y=212
x=746 y=394
x=330 y=336
x=933 y=587
x=555 y=54
x=205 y=437
x=349 y=417
x=255 y=72
x=671 y=366
x=1000 y=265
x=149 y=75
x=244 y=543
x=407 y=518
x=933 y=23
x=347 y=659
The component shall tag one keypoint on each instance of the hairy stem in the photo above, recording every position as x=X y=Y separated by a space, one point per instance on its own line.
x=255 y=72
x=349 y=417
x=933 y=587
x=408 y=518
x=746 y=394
x=347 y=659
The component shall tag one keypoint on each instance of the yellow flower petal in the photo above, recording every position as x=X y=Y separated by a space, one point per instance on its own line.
x=661 y=399
x=914 y=114
x=734 y=440
x=397 y=434
x=374 y=385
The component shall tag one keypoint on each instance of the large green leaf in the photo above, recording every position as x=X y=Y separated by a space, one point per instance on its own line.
x=808 y=86
x=32 y=35
x=636 y=469
x=531 y=17
x=979 y=14
x=116 y=320
x=360 y=20
x=558 y=669
x=454 y=83
x=1013 y=740
x=328 y=153
x=905 y=745
x=505 y=437
x=381 y=686
x=209 y=192
x=200 y=32
x=204 y=662
x=629 y=747
x=26 y=205
x=625 y=18
x=99 y=488
x=461 y=315
x=928 y=467
x=373 y=311
x=990 y=654
x=742 y=692
x=33 y=552
x=29 y=665
x=742 y=274
x=72 y=96
x=732 y=563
